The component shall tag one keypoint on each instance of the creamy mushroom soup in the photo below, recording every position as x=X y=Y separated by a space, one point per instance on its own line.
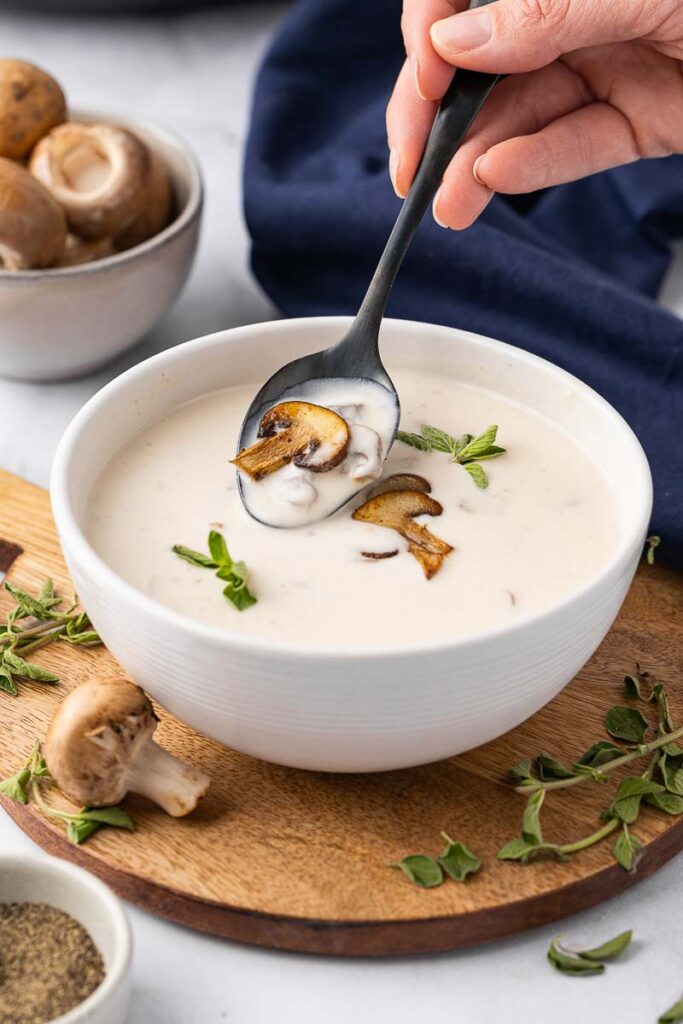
x=544 y=525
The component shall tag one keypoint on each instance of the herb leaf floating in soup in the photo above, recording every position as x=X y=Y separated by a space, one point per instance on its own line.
x=397 y=510
x=468 y=451
x=234 y=574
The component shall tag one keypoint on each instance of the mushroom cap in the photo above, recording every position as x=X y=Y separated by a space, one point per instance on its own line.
x=397 y=511
x=32 y=224
x=97 y=172
x=400 y=482
x=95 y=736
x=157 y=206
x=31 y=103
x=311 y=436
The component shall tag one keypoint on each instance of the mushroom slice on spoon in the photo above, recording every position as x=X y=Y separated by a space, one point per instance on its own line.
x=310 y=436
x=99 y=747
x=397 y=510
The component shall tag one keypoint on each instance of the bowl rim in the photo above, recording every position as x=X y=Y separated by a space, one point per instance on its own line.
x=96 y=567
x=189 y=213
x=116 y=922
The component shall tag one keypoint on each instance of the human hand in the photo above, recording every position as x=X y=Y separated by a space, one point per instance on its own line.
x=596 y=83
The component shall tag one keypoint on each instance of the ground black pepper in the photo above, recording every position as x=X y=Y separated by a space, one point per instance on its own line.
x=48 y=963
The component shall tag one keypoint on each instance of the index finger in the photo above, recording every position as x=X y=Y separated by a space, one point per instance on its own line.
x=431 y=73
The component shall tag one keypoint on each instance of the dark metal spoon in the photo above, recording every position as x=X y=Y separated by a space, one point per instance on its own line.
x=357 y=356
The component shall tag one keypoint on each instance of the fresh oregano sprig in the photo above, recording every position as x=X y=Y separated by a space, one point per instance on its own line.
x=577 y=962
x=455 y=861
x=26 y=784
x=660 y=785
x=233 y=574
x=467 y=451
x=32 y=623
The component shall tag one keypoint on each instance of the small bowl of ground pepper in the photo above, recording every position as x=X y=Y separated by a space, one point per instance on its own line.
x=65 y=945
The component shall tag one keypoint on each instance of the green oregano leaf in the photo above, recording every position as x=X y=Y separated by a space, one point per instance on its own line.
x=27 y=670
x=457 y=860
x=415 y=441
x=467 y=450
x=572 y=963
x=627 y=850
x=422 y=870
x=441 y=441
x=114 y=816
x=670 y=803
x=587 y=961
x=233 y=574
x=481 y=447
x=523 y=772
x=599 y=754
x=517 y=849
x=624 y=723
x=634 y=687
x=531 y=820
x=626 y=804
x=27 y=604
x=89 y=636
x=219 y=549
x=478 y=474
x=80 y=829
x=611 y=949
x=550 y=768
x=16 y=786
x=7 y=684
x=672 y=773
x=673 y=1015
x=194 y=557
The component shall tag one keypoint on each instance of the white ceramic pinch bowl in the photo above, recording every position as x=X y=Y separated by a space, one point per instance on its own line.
x=335 y=709
x=89 y=901
x=66 y=322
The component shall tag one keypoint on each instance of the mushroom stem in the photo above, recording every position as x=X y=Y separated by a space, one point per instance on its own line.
x=165 y=779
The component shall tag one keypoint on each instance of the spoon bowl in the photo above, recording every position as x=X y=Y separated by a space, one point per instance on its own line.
x=302 y=379
x=356 y=356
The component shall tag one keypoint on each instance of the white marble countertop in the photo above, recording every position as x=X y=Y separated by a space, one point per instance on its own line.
x=195 y=73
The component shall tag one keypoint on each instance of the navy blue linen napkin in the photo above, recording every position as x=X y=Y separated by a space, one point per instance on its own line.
x=570 y=274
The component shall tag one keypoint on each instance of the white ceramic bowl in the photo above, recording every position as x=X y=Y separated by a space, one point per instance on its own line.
x=66 y=322
x=69 y=888
x=335 y=709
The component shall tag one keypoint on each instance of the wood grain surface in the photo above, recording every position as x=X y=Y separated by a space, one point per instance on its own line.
x=301 y=861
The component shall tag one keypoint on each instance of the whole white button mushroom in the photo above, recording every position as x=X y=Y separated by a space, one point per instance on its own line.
x=97 y=172
x=157 y=206
x=99 y=747
x=31 y=103
x=32 y=224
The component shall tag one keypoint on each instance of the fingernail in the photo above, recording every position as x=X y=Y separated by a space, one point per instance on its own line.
x=463 y=31
x=415 y=65
x=475 y=169
x=393 y=171
x=434 y=209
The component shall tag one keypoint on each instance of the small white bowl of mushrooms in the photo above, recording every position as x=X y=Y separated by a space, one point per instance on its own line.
x=99 y=223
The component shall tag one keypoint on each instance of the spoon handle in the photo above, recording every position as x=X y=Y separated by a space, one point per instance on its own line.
x=462 y=102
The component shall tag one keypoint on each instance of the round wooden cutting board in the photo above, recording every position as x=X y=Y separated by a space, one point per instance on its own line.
x=301 y=861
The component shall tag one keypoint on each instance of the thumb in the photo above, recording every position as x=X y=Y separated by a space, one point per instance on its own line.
x=522 y=35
